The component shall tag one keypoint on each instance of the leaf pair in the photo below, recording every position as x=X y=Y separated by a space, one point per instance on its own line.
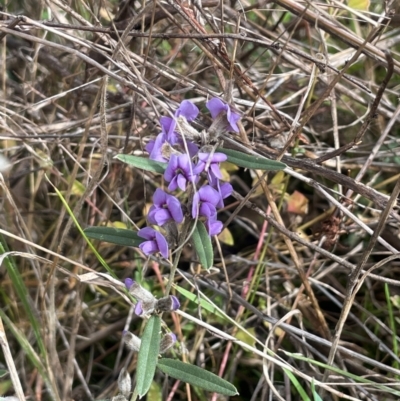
x=148 y=362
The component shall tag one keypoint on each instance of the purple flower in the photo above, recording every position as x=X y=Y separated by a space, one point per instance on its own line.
x=217 y=106
x=214 y=173
x=186 y=109
x=166 y=207
x=155 y=242
x=170 y=135
x=179 y=171
x=213 y=226
x=205 y=201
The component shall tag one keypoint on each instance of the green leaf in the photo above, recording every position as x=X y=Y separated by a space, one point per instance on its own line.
x=314 y=391
x=359 y=4
x=196 y=376
x=297 y=385
x=143 y=163
x=3 y=372
x=119 y=236
x=198 y=300
x=251 y=161
x=202 y=245
x=148 y=355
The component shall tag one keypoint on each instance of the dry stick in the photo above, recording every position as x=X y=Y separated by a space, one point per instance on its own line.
x=9 y=359
x=314 y=107
x=353 y=279
x=89 y=189
x=337 y=30
x=308 y=244
x=324 y=330
x=371 y=115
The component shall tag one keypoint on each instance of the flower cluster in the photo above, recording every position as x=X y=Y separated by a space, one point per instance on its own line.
x=189 y=169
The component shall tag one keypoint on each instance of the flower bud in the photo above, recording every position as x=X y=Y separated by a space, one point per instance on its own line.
x=145 y=308
x=167 y=342
x=124 y=383
x=146 y=301
x=167 y=304
x=131 y=341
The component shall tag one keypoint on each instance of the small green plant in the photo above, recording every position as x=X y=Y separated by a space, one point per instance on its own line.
x=190 y=164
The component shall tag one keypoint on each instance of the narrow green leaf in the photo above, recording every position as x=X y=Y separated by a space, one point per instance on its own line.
x=119 y=236
x=24 y=297
x=143 y=163
x=314 y=391
x=202 y=245
x=200 y=301
x=148 y=355
x=297 y=385
x=196 y=376
x=251 y=161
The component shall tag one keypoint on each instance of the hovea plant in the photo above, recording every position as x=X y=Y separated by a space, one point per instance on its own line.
x=186 y=210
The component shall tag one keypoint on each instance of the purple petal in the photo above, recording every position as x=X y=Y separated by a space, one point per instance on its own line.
x=175 y=302
x=167 y=123
x=214 y=227
x=181 y=181
x=156 y=153
x=138 y=308
x=192 y=148
x=147 y=233
x=199 y=168
x=174 y=207
x=161 y=216
x=173 y=184
x=162 y=244
x=226 y=190
x=188 y=110
x=185 y=163
x=128 y=283
x=215 y=171
x=209 y=194
x=216 y=106
x=233 y=118
x=149 y=247
x=159 y=197
x=151 y=215
x=207 y=210
x=150 y=146
x=169 y=173
x=216 y=157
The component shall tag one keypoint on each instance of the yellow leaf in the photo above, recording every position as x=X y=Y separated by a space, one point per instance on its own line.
x=359 y=4
x=77 y=188
x=116 y=224
x=278 y=178
x=246 y=338
x=226 y=237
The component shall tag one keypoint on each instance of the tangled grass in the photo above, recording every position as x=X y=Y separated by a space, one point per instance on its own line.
x=305 y=284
